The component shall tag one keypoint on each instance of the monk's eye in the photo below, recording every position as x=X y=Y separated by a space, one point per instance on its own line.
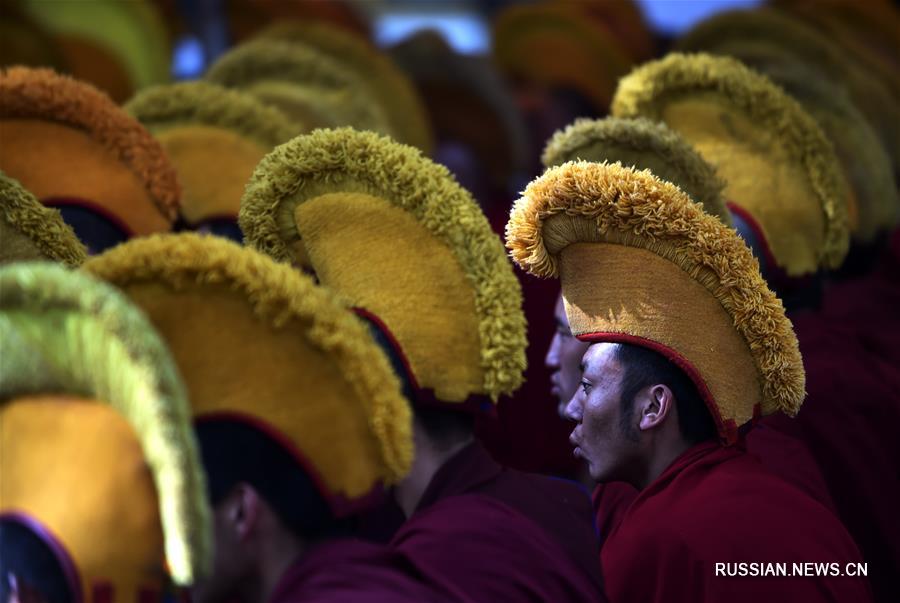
x=586 y=387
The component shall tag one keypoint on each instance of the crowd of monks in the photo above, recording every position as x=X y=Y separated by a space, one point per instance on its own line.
x=601 y=316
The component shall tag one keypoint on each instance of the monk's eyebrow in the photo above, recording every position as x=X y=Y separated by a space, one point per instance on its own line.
x=581 y=366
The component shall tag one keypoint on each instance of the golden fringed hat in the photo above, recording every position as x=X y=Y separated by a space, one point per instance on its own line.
x=556 y=46
x=119 y=47
x=310 y=87
x=259 y=343
x=98 y=456
x=645 y=145
x=395 y=235
x=215 y=137
x=387 y=84
x=873 y=206
x=616 y=237
x=811 y=47
x=780 y=170
x=30 y=231
x=70 y=145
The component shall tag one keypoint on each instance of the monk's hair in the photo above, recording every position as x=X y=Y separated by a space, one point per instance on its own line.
x=28 y=558
x=235 y=452
x=445 y=427
x=644 y=368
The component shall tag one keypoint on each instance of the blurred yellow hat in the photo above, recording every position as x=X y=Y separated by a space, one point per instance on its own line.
x=811 y=47
x=30 y=231
x=70 y=145
x=644 y=145
x=119 y=47
x=310 y=87
x=395 y=235
x=616 y=237
x=386 y=83
x=873 y=206
x=625 y=20
x=556 y=46
x=99 y=459
x=259 y=343
x=780 y=170
x=214 y=137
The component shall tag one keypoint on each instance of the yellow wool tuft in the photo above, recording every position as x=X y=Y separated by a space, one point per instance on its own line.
x=266 y=61
x=637 y=209
x=41 y=225
x=615 y=139
x=277 y=294
x=44 y=94
x=399 y=174
x=646 y=90
x=64 y=332
x=187 y=103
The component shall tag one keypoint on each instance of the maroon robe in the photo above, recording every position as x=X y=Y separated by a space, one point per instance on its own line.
x=351 y=571
x=610 y=501
x=717 y=504
x=501 y=535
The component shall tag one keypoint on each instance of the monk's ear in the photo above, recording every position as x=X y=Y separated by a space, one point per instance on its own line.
x=655 y=406
x=242 y=510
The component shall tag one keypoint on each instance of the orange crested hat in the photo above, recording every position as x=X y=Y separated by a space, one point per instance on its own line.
x=261 y=345
x=395 y=235
x=781 y=172
x=100 y=467
x=615 y=237
x=71 y=146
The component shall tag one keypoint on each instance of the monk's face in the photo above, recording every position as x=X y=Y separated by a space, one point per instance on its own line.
x=564 y=359
x=603 y=436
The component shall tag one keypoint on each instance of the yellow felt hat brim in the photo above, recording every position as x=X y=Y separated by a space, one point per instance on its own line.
x=77 y=468
x=30 y=231
x=348 y=420
x=873 y=206
x=64 y=138
x=434 y=271
x=644 y=145
x=777 y=163
x=66 y=333
x=610 y=233
x=810 y=46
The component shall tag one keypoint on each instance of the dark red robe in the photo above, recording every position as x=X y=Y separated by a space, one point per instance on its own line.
x=717 y=504
x=351 y=571
x=501 y=535
x=610 y=501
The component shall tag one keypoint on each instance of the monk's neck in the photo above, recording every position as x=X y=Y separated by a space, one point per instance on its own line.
x=427 y=460
x=661 y=460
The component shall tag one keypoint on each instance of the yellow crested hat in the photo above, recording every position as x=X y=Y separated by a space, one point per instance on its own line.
x=99 y=459
x=309 y=86
x=616 y=237
x=30 y=231
x=811 y=47
x=387 y=84
x=395 y=235
x=70 y=145
x=645 y=145
x=780 y=170
x=119 y=47
x=215 y=137
x=557 y=46
x=24 y=41
x=259 y=343
x=873 y=204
